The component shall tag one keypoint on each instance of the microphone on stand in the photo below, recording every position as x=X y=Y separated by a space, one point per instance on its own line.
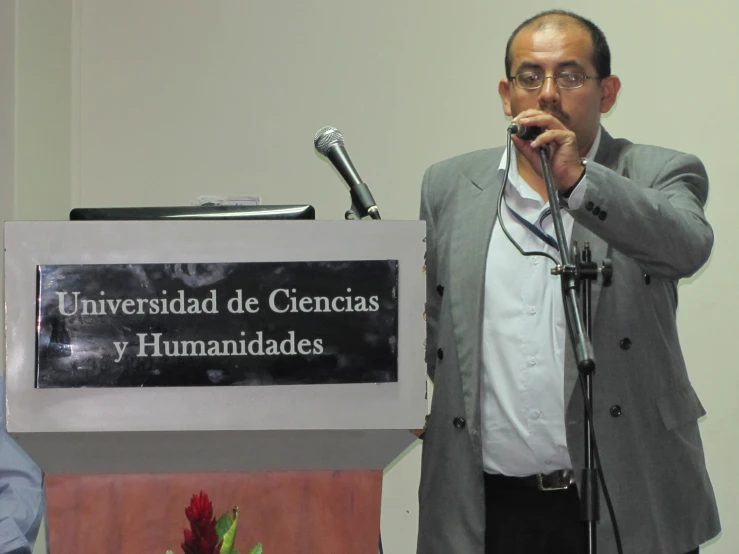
x=524 y=132
x=329 y=142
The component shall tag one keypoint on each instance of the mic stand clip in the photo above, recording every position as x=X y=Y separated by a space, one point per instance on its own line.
x=361 y=197
x=582 y=270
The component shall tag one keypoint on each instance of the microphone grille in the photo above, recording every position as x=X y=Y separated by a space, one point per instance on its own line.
x=325 y=138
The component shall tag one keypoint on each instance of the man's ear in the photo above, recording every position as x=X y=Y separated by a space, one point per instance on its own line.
x=609 y=87
x=504 y=89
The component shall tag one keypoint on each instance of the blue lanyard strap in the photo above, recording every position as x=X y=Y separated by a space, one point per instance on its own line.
x=546 y=237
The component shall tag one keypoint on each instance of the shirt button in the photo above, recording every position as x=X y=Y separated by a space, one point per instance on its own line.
x=547 y=462
x=535 y=414
x=532 y=361
x=536 y=261
x=532 y=310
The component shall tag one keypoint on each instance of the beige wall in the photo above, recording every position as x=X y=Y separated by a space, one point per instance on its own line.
x=154 y=102
x=7 y=129
x=43 y=109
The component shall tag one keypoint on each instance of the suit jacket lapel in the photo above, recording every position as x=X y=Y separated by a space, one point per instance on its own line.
x=473 y=225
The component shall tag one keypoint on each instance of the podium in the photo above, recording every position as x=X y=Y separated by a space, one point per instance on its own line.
x=287 y=398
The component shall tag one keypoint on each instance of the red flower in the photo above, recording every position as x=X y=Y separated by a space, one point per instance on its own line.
x=201 y=538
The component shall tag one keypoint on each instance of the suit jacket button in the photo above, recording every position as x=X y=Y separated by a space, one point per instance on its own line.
x=625 y=343
x=440 y=354
x=589 y=206
x=647 y=279
x=596 y=210
x=603 y=215
x=440 y=290
x=615 y=410
x=459 y=422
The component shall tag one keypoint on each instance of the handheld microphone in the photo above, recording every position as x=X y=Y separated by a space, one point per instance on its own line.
x=524 y=132
x=329 y=142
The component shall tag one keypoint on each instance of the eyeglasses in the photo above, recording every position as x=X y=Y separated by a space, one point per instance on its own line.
x=533 y=80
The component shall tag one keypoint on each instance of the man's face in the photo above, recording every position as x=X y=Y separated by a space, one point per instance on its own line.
x=550 y=51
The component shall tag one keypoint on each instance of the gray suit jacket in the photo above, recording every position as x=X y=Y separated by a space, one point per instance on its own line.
x=643 y=209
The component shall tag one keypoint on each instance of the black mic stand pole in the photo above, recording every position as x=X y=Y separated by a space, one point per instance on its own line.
x=575 y=271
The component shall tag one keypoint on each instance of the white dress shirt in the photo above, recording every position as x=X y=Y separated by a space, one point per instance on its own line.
x=523 y=339
x=21 y=492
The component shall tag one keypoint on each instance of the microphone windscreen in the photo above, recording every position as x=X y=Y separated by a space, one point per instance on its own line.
x=524 y=132
x=325 y=138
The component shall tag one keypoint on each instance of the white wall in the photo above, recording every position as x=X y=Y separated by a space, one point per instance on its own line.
x=171 y=99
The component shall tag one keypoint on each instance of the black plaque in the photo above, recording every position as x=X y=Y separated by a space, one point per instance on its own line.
x=171 y=325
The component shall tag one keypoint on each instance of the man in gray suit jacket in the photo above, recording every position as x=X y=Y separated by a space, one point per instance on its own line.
x=505 y=426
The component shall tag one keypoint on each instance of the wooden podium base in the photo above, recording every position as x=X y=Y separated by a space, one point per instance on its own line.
x=301 y=512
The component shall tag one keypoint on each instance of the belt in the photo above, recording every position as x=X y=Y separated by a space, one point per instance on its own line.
x=557 y=481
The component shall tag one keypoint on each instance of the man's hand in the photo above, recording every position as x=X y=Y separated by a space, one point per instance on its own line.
x=564 y=152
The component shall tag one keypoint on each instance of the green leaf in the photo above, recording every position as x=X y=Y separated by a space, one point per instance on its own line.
x=230 y=535
x=257 y=549
x=223 y=524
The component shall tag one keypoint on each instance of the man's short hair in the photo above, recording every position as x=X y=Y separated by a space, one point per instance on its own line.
x=601 y=53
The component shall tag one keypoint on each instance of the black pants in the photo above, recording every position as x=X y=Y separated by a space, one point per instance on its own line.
x=525 y=520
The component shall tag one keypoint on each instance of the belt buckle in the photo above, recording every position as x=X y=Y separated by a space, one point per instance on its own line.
x=565 y=481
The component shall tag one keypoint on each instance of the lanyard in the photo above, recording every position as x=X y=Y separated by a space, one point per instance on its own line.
x=546 y=237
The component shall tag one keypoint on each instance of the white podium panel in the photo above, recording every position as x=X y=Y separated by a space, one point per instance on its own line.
x=210 y=428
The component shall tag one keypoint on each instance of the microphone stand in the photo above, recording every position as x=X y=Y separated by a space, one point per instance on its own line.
x=575 y=271
x=361 y=196
x=350 y=214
